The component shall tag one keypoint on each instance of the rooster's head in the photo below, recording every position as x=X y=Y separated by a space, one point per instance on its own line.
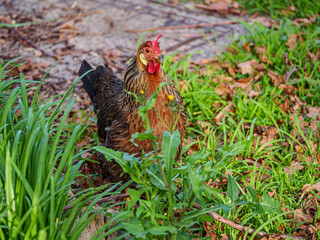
x=149 y=55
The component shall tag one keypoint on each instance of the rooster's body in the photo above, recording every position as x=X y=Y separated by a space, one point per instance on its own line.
x=117 y=111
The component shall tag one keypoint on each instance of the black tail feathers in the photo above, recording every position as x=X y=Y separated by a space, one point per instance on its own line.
x=89 y=79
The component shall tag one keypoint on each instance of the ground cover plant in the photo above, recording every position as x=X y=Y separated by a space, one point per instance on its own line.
x=37 y=152
x=254 y=145
x=254 y=121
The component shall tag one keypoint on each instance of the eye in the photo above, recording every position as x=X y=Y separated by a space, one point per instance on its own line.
x=147 y=50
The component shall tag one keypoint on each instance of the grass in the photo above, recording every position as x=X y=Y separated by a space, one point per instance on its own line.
x=263 y=152
x=37 y=149
x=280 y=9
x=250 y=165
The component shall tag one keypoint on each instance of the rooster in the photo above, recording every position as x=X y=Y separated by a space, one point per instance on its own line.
x=117 y=110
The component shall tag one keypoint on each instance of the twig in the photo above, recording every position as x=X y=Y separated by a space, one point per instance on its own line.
x=102 y=200
x=291 y=70
x=174 y=47
x=232 y=224
x=285 y=55
x=183 y=26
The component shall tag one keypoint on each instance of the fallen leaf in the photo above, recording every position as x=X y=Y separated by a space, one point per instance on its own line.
x=225 y=236
x=302 y=217
x=267 y=22
x=231 y=70
x=268 y=136
x=244 y=80
x=275 y=78
x=292 y=169
x=183 y=85
x=261 y=50
x=245 y=67
x=223 y=79
x=219 y=7
x=302 y=123
x=288 y=10
x=247 y=46
x=210 y=230
x=231 y=50
x=311 y=56
x=262 y=53
x=292 y=41
x=285 y=106
x=313 y=111
x=223 y=90
x=205 y=126
x=308 y=187
x=287 y=88
x=257 y=66
x=222 y=114
x=304 y=21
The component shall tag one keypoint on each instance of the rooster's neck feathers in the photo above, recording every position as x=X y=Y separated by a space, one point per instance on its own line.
x=137 y=78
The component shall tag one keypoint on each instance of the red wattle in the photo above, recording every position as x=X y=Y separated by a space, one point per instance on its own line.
x=151 y=67
x=157 y=67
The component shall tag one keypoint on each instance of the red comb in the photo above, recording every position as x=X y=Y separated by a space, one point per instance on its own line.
x=155 y=45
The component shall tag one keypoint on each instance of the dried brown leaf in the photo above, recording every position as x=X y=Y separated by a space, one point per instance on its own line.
x=302 y=217
x=292 y=169
x=288 y=10
x=210 y=230
x=231 y=70
x=223 y=90
x=304 y=21
x=257 y=66
x=308 y=187
x=219 y=7
x=245 y=67
x=222 y=114
x=287 y=88
x=267 y=22
x=206 y=126
x=247 y=46
x=231 y=50
x=275 y=78
x=262 y=53
x=225 y=236
x=311 y=56
x=313 y=111
x=268 y=136
x=292 y=41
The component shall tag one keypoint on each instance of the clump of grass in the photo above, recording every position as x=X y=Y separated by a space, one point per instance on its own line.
x=37 y=149
x=279 y=9
x=300 y=57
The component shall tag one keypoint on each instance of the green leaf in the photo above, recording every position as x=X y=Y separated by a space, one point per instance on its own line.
x=162 y=230
x=151 y=101
x=196 y=181
x=233 y=190
x=156 y=179
x=136 y=229
x=134 y=197
x=233 y=150
x=268 y=205
x=8 y=25
x=253 y=194
x=115 y=155
x=170 y=144
x=148 y=134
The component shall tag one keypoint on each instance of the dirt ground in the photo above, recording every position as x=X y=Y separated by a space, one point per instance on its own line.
x=65 y=32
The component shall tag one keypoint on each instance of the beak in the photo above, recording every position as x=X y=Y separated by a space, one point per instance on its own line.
x=159 y=59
